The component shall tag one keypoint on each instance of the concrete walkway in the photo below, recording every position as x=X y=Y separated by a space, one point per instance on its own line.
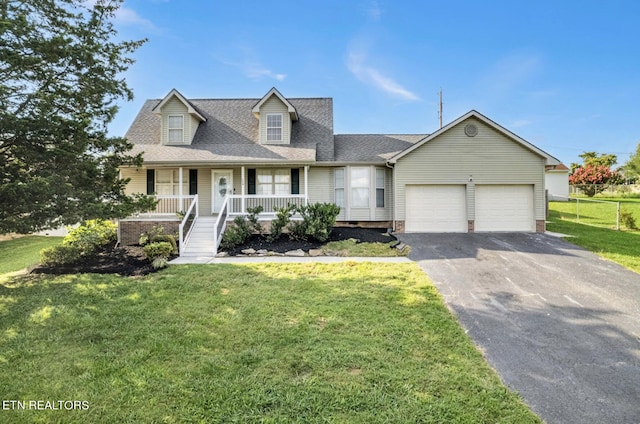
x=285 y=259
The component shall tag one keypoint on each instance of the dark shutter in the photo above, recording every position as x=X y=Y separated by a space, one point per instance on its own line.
x=151 y=181
x=252 y=181
x=295 y=180
x=193 y=182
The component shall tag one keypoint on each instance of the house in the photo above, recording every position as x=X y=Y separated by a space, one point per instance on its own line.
x=556 y=181
x=212 y=159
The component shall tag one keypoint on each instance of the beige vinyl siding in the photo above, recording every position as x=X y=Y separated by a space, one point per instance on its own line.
x=320 y=185
x=175 y=107
x=193 y=127
x=204 y=191
x=275 y=105
x=453 y=158
x=138 y=183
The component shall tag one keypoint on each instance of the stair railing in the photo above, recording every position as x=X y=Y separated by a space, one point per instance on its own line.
x=186 y=225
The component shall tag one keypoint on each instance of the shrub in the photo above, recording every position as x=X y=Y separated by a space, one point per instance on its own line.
x=158 y=253
x=236 y=234
x=283 y=216
x=149 y=235
x=60 y=255
x=317 y=222
x=628 y=219
x=252 y=217
x=91 y=235
x=168 y=239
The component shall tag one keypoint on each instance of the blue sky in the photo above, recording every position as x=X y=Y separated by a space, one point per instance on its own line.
x=563 y=74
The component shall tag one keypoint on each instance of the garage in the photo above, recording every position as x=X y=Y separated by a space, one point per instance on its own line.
x=504 y=208
x=436 y=209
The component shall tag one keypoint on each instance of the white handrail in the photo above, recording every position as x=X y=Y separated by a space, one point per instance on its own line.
x=221 y=223
x=183 y=239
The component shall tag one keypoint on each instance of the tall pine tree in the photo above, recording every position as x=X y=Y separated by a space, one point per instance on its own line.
x=60 y=79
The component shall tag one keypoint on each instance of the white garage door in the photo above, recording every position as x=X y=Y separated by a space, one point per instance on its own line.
x=504 y=208
x=436 y=209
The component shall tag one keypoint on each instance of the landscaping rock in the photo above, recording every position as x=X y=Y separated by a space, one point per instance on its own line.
x=315 y=252
x=262 y=251
x=249 y=251
x=400 y=246
x=295 y=253
x=222 y=255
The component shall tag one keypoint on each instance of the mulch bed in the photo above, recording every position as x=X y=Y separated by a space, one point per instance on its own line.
x=130 y=260
x=284 y=244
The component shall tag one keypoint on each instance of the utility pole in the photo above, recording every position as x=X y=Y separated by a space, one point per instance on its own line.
x=440 y=113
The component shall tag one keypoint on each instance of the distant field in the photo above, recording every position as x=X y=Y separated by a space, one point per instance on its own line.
x=23 y=252
x=590 y=212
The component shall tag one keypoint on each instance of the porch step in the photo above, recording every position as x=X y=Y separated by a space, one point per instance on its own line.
x=201 y=241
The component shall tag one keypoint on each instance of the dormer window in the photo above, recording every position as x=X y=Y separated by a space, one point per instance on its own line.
x=176 y=129
x=274 y=127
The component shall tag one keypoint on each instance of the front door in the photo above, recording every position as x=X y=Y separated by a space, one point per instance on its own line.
x=222 y=187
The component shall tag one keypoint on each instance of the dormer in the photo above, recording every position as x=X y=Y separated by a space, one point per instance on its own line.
x=179 y=119
x=276 y=115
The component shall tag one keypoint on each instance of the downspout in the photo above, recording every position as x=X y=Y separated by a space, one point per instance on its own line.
x=393 y=195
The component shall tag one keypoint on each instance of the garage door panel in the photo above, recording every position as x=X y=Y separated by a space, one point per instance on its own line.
x=504 y=208
x=436 y=208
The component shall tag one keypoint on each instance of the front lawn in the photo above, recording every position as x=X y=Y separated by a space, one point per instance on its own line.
x=23 y=252
x=622 y=247
x=350 y=342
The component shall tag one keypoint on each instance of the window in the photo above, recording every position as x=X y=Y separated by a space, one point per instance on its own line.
x=360 y=187
x=339 y=187
x=380 y=188
x=274 y=127
x=274 y=182
x=176 y=129
x=167 y=182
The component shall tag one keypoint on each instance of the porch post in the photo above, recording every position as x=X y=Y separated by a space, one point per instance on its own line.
x=242 y=188
x=306 y=185
x=181 y=207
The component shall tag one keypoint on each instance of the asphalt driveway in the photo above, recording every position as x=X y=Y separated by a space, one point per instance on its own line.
x=560 y=325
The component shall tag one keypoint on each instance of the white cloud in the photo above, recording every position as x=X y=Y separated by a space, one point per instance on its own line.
x=129 y=17
x=369 y=75
x=251 y=66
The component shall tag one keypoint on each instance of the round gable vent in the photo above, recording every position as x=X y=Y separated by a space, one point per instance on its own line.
x=471 y=130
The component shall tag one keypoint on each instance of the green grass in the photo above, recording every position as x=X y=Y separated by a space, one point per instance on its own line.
x=352 y=248
x=622 y=247
x=269 y=343
x=23 y=252
x=595 y=213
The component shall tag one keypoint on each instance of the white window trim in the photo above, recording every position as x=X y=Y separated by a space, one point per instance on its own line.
x=173 y=183
x=272 y=172
x=170 y=128
x=281 y=128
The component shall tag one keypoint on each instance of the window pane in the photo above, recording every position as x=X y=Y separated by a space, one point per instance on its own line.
x=379 y=198
x=339 y=177
x=163 y=175
x=360 y=177
x=360 y=197
x=379 y=178
x=282 y=176
x=176 y=121
x=340 y=197
x=175 y=136
x=274 y=120
x=274 y=134
x=264 y=177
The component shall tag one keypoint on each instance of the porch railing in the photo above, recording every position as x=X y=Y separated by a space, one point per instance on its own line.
x=186 y=225
x=238 y=204
x=171 y=205
x=221 y=224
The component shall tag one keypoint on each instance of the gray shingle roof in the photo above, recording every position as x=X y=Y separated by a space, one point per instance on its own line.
x=231 y=133
x=372 y=148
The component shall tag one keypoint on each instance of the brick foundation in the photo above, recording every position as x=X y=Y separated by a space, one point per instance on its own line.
x=130 y=230
x=399 y=227
x=471 y=225
x=540 y=226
